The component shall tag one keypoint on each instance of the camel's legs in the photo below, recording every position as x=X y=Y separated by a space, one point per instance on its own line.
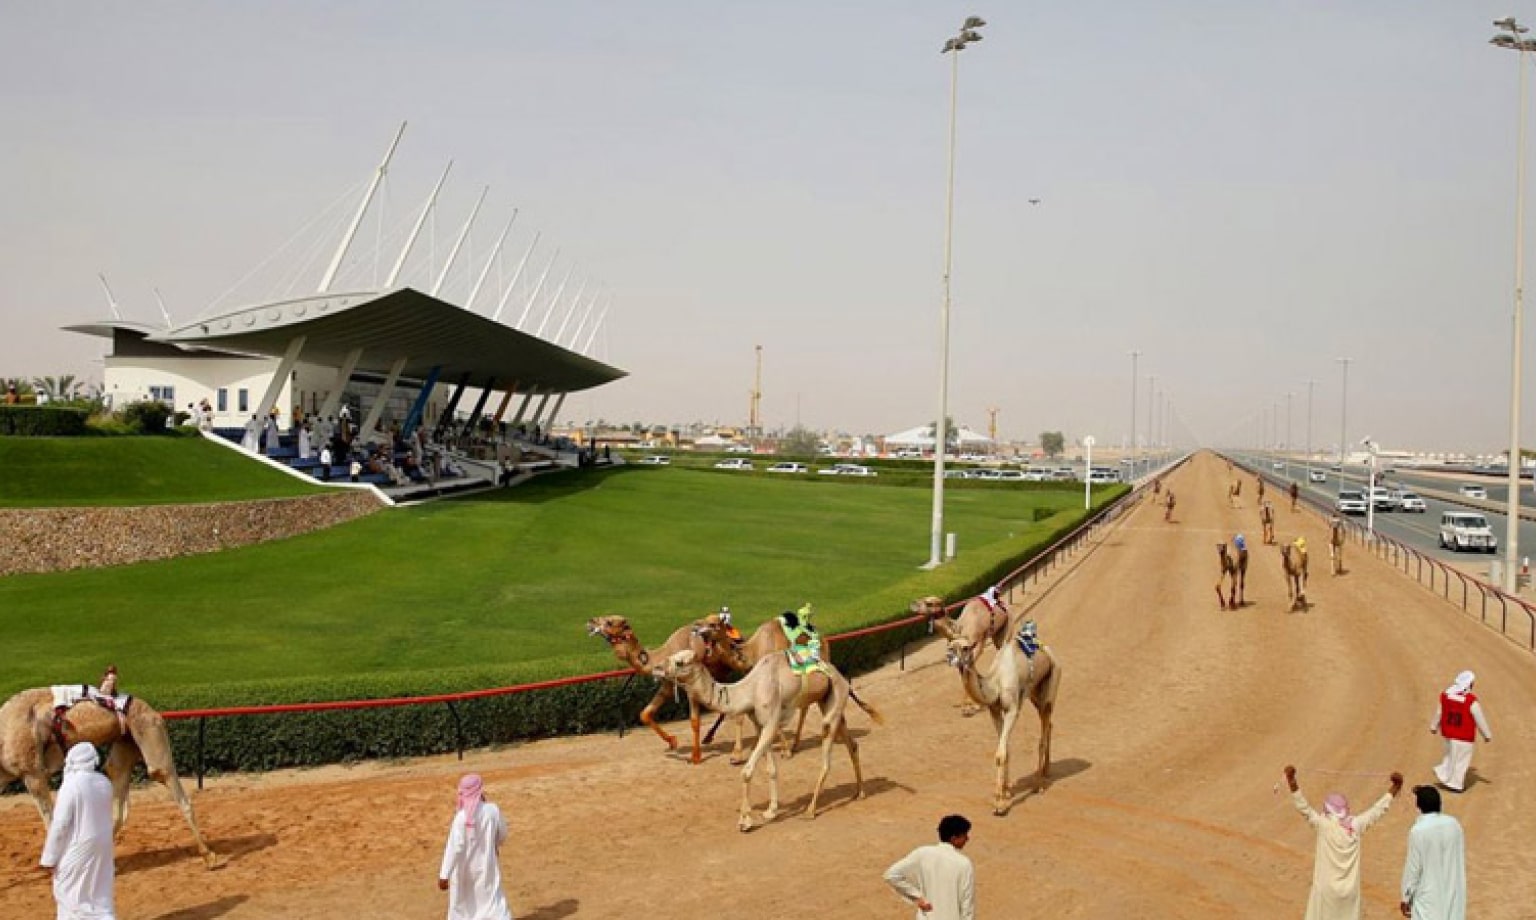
x=120 y=760
x=693 y=723
x=831 y=712
x=1001 y=798
x=737 y=757
x=42 y=796
x=1221 y=599
x=846 y=737
x=648 y=715
x=766 y=727
x=156 y=751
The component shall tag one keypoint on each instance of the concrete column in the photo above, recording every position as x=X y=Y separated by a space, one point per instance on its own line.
x=377 y=409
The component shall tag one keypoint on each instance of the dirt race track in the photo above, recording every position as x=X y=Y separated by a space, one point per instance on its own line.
x=1173 y=723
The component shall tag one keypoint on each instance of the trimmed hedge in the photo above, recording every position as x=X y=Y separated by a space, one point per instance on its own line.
x=265 y=742
x=42 y=421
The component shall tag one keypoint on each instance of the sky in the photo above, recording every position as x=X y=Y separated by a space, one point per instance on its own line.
x=1244 y=193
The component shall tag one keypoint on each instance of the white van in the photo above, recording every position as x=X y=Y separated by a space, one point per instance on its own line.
x=1461 y=530
x=1101 y=474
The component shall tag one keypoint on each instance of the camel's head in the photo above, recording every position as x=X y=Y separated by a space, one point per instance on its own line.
x=612 y=629
x=929 y=606
x=961 y=654
x=678 y=667
x=1221 y=550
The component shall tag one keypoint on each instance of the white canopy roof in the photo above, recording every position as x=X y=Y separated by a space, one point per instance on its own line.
x=923 y=436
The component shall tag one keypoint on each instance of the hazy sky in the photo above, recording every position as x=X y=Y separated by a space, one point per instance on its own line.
x=1242 y=191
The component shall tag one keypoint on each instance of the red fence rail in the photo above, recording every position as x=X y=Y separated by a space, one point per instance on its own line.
x=1035 y=567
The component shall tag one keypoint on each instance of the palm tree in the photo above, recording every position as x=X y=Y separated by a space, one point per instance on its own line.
x=57 y=388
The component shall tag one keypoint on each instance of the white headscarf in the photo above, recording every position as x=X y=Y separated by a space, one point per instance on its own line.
x=1461 y=685
x=82 y=758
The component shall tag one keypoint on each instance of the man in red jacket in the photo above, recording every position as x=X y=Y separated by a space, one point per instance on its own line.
x=1458 y=719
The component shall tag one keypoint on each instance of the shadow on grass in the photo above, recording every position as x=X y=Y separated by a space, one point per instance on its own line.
x=549 y=486
x=206 y=911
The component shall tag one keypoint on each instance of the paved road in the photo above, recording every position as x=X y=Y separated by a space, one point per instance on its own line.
x=1421 y=531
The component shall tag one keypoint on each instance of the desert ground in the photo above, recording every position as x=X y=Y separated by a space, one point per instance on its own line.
x=1165 y=799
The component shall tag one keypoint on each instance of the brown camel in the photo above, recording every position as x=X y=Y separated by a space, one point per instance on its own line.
x=1015 y=675
x=768 y=690
x=980 y=619
x=1293 y=557
x=1227 y=576
x=616 y=631
x=32 y=748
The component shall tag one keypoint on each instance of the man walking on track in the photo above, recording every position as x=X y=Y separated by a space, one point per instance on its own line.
x=471 y=872
x=1435 y=871
x=1336 y=865
x=79 y=846
x=1458 y=719
x=938 y=879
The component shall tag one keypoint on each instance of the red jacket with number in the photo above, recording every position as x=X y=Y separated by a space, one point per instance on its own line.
x=1456 y=721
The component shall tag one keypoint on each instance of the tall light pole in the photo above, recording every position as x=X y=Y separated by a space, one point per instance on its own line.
x=952 y=46
x=1509 y=37
x=1288 y=435
x=1343 y=415
x=1151 y=390
x=1134 y=356
x=1309 y=429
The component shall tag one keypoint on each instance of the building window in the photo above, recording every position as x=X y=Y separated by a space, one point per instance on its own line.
x=245 y=400
x=223 y=399
x=166 y=395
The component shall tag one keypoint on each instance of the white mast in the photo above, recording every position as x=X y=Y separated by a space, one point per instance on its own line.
x=341 y=251
x=416 y=230
x=515 y=275
x=596 y=326
x=584 y=314
x=163 y=311
x=575 y=304
x=536 y=289
x=454 y=252
x=111 y=301
x=555 y=302
x=495 y=251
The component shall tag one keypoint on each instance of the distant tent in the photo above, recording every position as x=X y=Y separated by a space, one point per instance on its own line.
x=922 y=438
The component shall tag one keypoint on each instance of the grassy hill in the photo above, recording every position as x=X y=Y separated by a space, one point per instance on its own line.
x=74 y=472
x=499 y=583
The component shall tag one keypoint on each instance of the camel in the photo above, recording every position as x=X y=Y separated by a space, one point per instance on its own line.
x=1228 y=576
x=721 y=646
x=1015 y=674
x=616 y=631
x=763 y=696
x=979 y=620
x=32 y=748
x=1293 y=557
x=1168 y=504
x=1336 y=536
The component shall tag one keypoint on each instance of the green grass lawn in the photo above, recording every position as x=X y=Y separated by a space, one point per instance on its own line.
x=504 y=582
x=58 y=472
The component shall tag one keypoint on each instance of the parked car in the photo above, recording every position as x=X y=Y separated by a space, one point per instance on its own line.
x=656 y=460
x=1317 y=476
x=788 y=467
x=1461 y=530
x=957 y=474
x=1015 y=475
x=847 y=469
x=1103 y=474
x=1063 y=474
x=1278 y=465
x=735 y=463
x=1474 y=492
x=1036 y=475
x=1350 y=501
x=1409 y=502
x=739 y=449
x=909 y=453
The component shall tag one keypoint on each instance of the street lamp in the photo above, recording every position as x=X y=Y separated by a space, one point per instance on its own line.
x=1343 y=415
x=1370 y=489
x=1288 y=435
x=952 y=46
x=1134 y=356
x=1087 y=472
x=1509 y=38
x=1309 y=429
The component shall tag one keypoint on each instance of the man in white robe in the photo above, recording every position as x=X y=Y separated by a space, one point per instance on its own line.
x=938 y=879
x=274 y=436
x=1458 y=718
x=1335 y=891
x=79 y=846
x=471 y=873
x=1435 y=871
x=304 y=444
x=249 y=440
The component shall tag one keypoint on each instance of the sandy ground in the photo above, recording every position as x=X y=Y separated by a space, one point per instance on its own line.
x=1173 y=723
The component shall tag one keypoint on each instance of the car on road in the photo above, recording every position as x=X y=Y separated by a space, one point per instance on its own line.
x=1409 y=502
x=910 y=454
x=1063 y=474
x=1381 y=499
x=788 y=467
x=735 y=463
x=1015 y=475
x=958 y=474
x=1033 y=475
x=848 y=469
x=1461 y=530
x=1317 y=476
x=1278 y=465
x=656 y=460
x=1474 y=492
x=1350 y=501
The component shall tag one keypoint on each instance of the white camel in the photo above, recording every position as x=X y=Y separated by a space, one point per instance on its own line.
x=1014 y=675
x=764 y=695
